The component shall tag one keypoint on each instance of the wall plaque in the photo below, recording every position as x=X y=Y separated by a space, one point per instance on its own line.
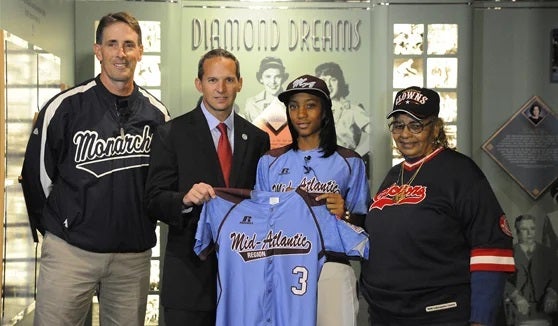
x=526 y=147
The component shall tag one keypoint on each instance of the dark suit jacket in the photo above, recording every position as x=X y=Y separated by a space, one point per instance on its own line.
x=183 y=154
x=535 y=275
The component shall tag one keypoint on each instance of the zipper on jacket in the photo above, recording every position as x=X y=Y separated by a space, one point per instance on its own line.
x=123 y=113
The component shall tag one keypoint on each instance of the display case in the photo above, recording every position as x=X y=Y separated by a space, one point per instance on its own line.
x=31 y=77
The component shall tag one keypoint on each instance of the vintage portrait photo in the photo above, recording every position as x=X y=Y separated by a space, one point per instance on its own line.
x=535 y=113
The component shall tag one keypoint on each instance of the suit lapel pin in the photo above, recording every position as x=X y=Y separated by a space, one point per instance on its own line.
x=245 y=136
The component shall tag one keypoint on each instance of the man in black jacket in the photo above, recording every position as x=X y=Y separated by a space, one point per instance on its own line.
x=83 y=180
x=184 y=169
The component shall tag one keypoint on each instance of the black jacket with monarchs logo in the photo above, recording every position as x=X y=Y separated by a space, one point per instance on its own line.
x=85 y=167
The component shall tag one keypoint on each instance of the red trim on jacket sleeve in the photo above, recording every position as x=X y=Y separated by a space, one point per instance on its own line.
x=495 y=260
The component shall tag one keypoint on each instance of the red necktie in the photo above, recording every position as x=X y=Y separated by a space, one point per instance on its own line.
x=224 y=152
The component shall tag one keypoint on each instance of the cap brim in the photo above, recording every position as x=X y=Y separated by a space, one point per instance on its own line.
x=403 y=111
x=285 y=95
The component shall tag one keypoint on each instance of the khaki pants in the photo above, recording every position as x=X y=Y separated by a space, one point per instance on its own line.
x=337 y=295
x=69 y=277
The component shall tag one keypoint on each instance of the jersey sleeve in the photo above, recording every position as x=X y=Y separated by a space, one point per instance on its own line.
x=39 y=169
x=358 y=194
x=341 y=237
x=212 y=214
x=262 y=174
x=353 y=239
x=486 y=228
x=204 y=235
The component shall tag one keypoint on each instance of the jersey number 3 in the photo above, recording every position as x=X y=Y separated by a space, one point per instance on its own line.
x=302 y=273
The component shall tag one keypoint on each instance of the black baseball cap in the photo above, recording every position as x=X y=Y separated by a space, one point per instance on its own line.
x=417 y=102
x=307 y=84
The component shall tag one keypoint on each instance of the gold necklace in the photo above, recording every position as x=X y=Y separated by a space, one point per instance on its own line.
x=401 y=194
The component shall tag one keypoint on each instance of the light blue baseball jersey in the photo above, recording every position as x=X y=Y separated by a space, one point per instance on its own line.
x=270 y=251
x=343 y=172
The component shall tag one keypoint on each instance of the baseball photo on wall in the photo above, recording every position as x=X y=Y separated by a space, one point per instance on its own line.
x=278 y=46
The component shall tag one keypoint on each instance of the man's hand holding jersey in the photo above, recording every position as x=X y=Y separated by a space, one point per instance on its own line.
x=198 y=194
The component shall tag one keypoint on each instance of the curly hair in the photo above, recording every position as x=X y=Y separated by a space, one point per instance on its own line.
x=442 y=139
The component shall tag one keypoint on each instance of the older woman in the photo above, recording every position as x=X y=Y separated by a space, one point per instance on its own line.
x=440 y=245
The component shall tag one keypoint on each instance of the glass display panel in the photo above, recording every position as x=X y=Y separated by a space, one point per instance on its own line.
x=408 y=72
x=154 y=276
x=152 y=311
x=451 y=133
x=408 y=38
x=442 y=72
x=156 y=251
x=49 y=77
x=442 y=39
x=151 y=36
x=148 y=72
x=448 y=107
x=31 y=76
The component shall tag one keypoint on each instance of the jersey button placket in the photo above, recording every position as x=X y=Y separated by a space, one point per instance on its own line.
x=269 y=269
x=269 y=273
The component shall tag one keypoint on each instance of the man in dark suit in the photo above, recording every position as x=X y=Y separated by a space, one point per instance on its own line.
x=184 y=169
x=532 y=289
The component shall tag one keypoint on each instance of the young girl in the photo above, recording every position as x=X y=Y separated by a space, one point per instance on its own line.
x=316 y=163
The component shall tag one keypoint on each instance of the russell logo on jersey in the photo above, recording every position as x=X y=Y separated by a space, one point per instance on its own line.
x=246 y=220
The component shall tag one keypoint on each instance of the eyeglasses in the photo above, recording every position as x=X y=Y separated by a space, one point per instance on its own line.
x=415 y=127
